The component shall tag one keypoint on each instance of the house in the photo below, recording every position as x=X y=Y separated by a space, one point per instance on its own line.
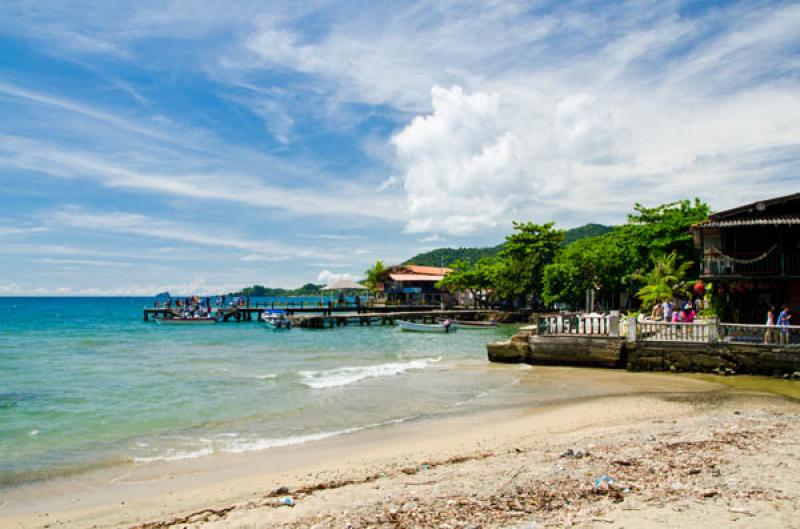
x=751 y=257
x=414 y=284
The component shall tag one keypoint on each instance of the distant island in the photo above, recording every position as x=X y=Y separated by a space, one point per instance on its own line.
x=448 y=256
x=260 y=291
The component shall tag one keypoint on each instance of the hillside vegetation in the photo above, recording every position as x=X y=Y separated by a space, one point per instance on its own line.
x=448 y=256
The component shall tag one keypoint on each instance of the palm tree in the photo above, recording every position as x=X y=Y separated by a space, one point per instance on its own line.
x=375 y=275
x=665 y=281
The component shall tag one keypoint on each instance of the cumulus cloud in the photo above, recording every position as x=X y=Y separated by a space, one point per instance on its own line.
x=326 y=277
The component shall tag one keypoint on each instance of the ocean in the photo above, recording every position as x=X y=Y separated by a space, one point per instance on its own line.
x=86 y=384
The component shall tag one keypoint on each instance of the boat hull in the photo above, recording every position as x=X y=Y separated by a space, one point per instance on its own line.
x=423 y=327
x=476 y=325
x=185 y=321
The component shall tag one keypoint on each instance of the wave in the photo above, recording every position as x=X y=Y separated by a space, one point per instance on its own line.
x=176 y=455
x=232 y=444
x=267 y=376
x=237 y=446
x=345 y=376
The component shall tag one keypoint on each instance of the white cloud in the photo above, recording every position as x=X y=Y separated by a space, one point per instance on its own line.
x=326 y=277
x=341 y=199
x=150 y=227
x=22 y=230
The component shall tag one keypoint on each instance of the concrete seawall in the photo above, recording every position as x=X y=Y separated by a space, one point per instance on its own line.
x=615 y=352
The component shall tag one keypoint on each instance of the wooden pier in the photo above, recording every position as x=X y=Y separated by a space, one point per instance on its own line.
x=319 y=317
x=322 y=321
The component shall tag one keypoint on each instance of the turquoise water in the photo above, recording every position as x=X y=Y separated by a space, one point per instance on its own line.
x=85 y=383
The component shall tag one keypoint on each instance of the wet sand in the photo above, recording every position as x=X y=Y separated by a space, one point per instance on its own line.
x=464 y=470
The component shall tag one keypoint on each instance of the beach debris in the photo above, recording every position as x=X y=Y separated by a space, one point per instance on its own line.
x=280 y=491
x=204 y=515
x=288 y=501
x=576 y=453
x=603 y=482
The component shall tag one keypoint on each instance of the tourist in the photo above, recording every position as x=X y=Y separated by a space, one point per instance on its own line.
x=666 y=310
x=688 y=313
x=784 y=320
x=769 y=336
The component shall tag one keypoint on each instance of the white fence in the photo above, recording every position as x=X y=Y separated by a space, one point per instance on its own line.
x=701 y=331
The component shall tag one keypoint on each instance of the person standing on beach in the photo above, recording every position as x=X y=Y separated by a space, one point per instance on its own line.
x=769 y=336
x=784 y=320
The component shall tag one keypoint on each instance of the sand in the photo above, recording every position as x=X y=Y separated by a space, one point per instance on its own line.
x=678 y=453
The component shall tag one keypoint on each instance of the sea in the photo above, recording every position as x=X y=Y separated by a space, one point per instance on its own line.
x=86 y=384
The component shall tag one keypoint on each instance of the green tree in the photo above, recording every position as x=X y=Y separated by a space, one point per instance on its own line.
x=519 y=275
x=665 y=281
x=375 y=275
x=476 y=278
x=609 y=262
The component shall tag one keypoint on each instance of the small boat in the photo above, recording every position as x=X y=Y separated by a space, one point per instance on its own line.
x=276 y=319
x=476 y=325
x=443 y=327
x=185 y=321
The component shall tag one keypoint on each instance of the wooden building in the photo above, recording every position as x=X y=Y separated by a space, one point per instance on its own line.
x=751 y=257
x=414 y=285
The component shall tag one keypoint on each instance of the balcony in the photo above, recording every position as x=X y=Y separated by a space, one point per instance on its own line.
x=752 y=264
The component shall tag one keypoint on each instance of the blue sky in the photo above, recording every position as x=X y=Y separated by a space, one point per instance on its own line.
x=203 y=146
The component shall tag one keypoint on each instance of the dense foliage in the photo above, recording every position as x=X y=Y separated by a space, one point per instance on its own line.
x=611 y=262
x=534 y=267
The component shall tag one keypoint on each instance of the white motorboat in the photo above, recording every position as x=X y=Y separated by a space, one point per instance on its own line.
x=276 y=319
x=443 y=327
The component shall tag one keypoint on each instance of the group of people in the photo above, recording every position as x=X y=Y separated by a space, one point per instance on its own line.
x=784 y=320
x=672 y=312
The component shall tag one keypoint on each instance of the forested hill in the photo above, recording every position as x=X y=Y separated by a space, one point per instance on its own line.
x=584 y=232
x=448 y=256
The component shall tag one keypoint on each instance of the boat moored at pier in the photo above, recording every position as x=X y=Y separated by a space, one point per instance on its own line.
x=443 y=327
x=276 y=319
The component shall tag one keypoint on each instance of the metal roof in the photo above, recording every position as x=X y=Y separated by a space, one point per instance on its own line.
x=416 y=277
x=762 y=221
x=344 y=284
x=756 y=207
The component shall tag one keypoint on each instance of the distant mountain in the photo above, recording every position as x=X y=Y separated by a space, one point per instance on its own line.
x=260 y=291
x=584 y=232
x=448 y=256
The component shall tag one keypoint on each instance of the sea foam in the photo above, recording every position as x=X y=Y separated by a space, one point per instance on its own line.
x=345 y=376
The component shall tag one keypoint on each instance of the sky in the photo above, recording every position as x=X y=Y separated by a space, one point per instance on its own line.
x=199 y=147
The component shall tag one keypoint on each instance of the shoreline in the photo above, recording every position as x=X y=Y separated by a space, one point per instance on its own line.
x=124 y=497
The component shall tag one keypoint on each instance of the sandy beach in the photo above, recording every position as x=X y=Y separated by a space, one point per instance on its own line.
x=664 y=451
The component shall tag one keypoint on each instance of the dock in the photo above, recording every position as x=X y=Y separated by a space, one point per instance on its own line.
x=322 y=321
x=320 y=317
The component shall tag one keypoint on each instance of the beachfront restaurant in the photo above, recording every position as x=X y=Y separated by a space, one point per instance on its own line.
x=414 y=285
x=751 y=257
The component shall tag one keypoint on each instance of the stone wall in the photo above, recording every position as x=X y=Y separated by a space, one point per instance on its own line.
x=712 y=357
x=589 y=351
